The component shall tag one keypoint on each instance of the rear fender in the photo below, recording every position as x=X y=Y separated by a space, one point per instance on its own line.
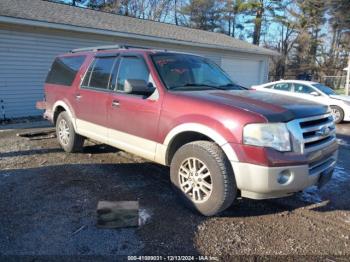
x=67 y=108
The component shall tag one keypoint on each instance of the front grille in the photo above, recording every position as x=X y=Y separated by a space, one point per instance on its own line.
x=311 y=136
x=315 y=122
x=317 y=132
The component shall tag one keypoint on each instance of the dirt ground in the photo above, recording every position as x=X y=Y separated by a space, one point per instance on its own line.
x=48 y=202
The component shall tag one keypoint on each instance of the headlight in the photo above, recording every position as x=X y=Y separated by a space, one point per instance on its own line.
x=275 y=135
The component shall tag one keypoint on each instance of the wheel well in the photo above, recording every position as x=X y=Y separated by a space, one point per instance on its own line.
x=337 y=106
x=182 y=139
x=341 y=109
x=58 y=110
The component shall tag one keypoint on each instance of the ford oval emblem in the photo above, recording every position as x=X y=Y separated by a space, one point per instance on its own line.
x=324 y=131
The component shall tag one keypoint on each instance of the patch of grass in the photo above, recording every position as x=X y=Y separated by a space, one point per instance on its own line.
x=340 y=91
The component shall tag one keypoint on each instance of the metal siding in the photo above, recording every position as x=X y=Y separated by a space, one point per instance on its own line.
x=25 y=59
x=212 y=56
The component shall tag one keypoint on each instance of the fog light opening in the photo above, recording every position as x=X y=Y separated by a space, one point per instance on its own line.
x=284 y=177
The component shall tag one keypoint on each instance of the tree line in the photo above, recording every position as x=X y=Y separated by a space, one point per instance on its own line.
x=312 y=36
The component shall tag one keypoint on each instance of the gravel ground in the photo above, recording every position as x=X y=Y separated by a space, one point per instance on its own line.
x=48 y=202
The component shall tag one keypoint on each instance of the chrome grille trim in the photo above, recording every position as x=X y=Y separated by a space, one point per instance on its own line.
x=317 y=138
x=317 y=127
x=305 y=139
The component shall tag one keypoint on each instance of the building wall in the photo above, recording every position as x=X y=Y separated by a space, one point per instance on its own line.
x=26 y=54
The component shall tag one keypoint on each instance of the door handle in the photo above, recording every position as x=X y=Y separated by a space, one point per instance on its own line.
x=78 y=96
x=115 y=103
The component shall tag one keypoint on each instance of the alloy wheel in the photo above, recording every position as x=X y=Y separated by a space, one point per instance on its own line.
x=63 y=132
x=336 y=114
x=195 y=180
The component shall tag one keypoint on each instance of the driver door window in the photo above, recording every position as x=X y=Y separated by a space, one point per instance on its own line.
x=299 y=88
x=131 y=68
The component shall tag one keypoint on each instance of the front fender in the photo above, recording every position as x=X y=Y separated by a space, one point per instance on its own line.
x=220 y=134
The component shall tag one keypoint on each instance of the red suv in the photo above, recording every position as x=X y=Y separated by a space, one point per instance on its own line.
x=221 y=140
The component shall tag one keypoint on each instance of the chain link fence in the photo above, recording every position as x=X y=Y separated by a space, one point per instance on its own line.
x=337 y=83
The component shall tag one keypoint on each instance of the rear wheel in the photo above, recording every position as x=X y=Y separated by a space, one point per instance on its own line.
x=338 y=114
x=202 y=175
x=68 y=139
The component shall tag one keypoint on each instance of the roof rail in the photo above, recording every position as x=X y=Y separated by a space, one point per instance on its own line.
x=105 y=47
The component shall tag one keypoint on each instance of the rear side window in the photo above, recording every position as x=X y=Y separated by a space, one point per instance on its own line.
x=99 y=74
x=64 y=70
x=283 y=87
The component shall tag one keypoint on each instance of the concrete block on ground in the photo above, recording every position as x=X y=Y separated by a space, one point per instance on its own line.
x=117 y=214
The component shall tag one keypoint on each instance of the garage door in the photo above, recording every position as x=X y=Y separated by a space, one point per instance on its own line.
x=244 y=72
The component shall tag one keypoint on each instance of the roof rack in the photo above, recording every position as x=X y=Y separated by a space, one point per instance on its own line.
x=105 y=47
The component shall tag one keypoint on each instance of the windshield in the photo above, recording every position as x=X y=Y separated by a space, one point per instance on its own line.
x=325 y=89
x=191 y=72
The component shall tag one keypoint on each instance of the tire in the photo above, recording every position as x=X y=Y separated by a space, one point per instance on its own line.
x=66 y=136
x=338 y=114
x=223 y=186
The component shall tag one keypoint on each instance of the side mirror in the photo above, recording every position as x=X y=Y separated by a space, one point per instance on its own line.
x=314 y=93
x=138 y=87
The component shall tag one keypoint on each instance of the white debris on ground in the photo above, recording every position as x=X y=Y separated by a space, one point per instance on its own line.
x=311 y=194
x=144 y=216
x=342 y=142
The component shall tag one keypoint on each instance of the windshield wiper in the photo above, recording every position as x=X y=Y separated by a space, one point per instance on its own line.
x=237 y=87
x=196 y=85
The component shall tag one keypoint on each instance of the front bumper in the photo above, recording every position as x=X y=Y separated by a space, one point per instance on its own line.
x=262 y=182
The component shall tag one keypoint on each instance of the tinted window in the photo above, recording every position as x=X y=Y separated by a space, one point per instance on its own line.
x=283 y=87
x=99 y=73
x=325 y=89
x=114 y=73
x=299 y=88
x=64 y=70
x=131 y=68
x=269 y=86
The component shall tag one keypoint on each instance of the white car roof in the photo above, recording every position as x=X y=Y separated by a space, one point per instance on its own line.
x=290 y=81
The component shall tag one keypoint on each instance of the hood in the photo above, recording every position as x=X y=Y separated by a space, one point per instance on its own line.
x=341 y=97
x=274 y=107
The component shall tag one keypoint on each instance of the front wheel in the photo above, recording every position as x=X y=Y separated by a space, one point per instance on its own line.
x=338 y=114
x=68 y=139
x=202 y=175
